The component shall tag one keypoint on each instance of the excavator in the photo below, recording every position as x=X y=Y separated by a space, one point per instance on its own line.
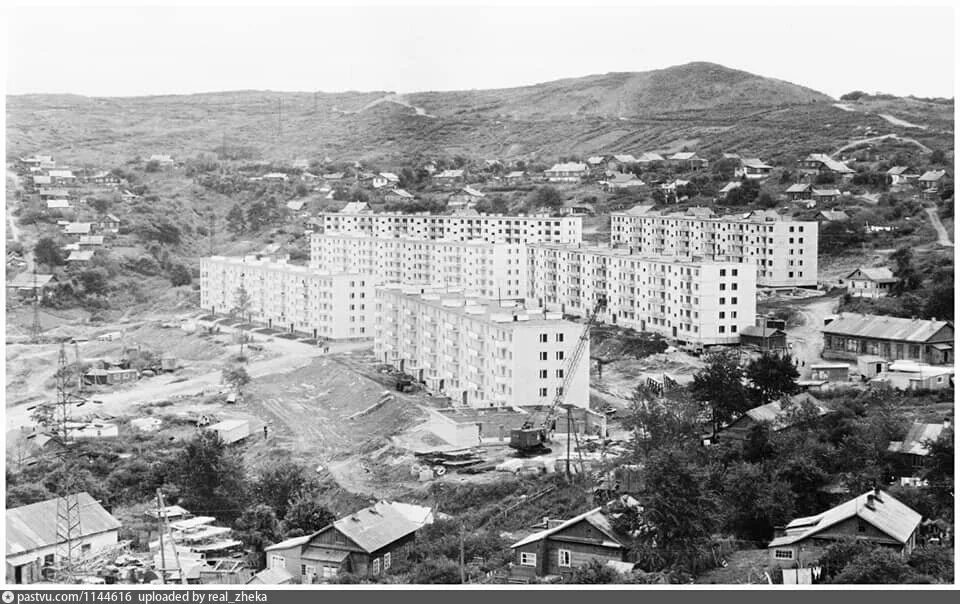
x=532 y=437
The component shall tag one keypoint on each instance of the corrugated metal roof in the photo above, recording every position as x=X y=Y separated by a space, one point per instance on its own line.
x=272 y=576
x=293 y=542
x=798 y=188
x=568 y=167
x=595 y=517
x=383 y=523
x=27 y=280
x=884 y=328
x=913 y=442
x=34 y=526
x=888 y=515
x=933 y=175
x=647 y=157
x=754 y=162
x=779 y=416
x=830 y=163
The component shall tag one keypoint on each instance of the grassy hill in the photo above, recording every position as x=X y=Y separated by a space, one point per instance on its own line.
x=698 y=105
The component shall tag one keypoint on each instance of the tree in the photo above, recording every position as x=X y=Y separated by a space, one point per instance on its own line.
x=719 y=386
x=771 y=377
x=594 y=573
x=682 y=512
x=236 y=223
x=257 y=216
x=937 y=156
x=210 y=479
x=879 y=566
x=235 y=377
x=546 y=197
x=933 y=561
x=855 y=95
x=304 y=517
x=257 y=528
x=100 y=204
x=180 y=275
x=908 y=278
x=95 y=281
x=940 y=472
x=279 y=486
x=755 y=501
x=47 y=252
x=658 y=420
x=839 y=554
x=241 y=308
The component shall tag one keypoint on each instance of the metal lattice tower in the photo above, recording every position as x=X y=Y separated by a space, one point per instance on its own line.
x=68 y=504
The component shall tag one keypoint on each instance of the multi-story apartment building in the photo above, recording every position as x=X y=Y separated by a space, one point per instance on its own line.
x=480 y=353
x=288 y=297
x=492 y=270
x=784 y=251
x=464 y=227
x=700 y=302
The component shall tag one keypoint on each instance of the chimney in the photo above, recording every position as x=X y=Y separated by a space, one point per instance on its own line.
x=947 y=423
x=869 y=505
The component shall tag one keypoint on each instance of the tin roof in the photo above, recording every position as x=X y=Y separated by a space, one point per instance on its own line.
x=888 y=515
x=383 y=523
x=914 y=442
x=754 y=162
x=595 y=517
x=880 y=273
x=800 y=187
x=884 y=328
x=34 y=526
x=780 y=416
x=933 y=175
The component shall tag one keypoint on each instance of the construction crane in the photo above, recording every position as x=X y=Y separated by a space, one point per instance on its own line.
x=535 y=432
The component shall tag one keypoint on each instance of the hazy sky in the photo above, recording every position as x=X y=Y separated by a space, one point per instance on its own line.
x=138 y=51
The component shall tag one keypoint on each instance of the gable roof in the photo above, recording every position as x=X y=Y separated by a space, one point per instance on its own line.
x=825 y=192
x=917 y=435
x=619 y=179
x=515 y=174
x=390 y=176
x=830 y=163
x=26 y=280
x=832 y=215
x=568 y=167
x=450 y=174
x=685 y=155
x=272 y=576
x=639 y=210
x=401 y=193
x=355 y=207
x=472 y=192
x=884 y=328
x=897 y=170
x=753 y=162
x=34 y=526
x=730 y=186
x=77 y=228
x=82 y=255
x=594 y=160
x=625 y=158
x=595 y=517
x=779 y=415
x=648 y=157
x=761 y=331
x=383 y=523
x=888 y=515
x=879 y=273
x=800 y=187
x=933 y=175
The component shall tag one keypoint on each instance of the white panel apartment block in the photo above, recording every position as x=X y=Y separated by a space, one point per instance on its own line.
x=289 y=297
x=784 y=251
x=479 y=352
x=485 y=227
x=492 y=270
x=699 y=302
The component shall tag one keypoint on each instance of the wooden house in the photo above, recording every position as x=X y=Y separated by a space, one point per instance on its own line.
x=870 y=282
x=778 y=415
x=893 y=338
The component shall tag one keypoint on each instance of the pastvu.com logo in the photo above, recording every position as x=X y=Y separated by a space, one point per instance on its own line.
x=7 y=597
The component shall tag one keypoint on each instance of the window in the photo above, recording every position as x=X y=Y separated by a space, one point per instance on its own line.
x=723 y=315
x=277 y=561
x=528 y=559
x=386 y=561
x=376 y=566
x=723 y=300
x=566 y=558
x=303 y=570
x=559 y=355
x=543 y=355
x=861 y=526
x=560 y=373
x=543 y=337
x=783 y=554
x=543 y=393
x=543 y=374
x=723 y=329
x=559 y=337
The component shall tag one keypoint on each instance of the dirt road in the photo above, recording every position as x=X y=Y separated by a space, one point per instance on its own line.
x=943 y=238
x=858 y=142
x=806 y=338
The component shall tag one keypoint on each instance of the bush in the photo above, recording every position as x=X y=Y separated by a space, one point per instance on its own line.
x=179 y=275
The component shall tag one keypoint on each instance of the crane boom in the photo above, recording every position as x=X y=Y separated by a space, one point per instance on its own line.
x=542 y=427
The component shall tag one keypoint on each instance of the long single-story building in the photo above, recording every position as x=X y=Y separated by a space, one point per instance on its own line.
x=852 y=335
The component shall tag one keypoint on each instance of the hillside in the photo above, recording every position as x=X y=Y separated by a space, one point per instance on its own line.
x=701 y=105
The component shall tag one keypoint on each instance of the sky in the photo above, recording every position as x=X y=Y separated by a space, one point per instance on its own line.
x=138 y=50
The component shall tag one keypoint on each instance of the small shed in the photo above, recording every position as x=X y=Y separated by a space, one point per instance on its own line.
x=232 y=430
x=870 y=366
x=146 y=424
x=168 y=363
x=763 y=337
x=831 y=372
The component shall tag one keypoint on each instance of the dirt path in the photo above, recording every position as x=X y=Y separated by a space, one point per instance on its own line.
x=943 y=238
x=806 y=338
x=857 y=143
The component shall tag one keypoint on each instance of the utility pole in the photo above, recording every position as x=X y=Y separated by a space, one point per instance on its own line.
x=35 y=326
x=462 y=569
x=173 y=543
x=568 y=444
x=163 y=554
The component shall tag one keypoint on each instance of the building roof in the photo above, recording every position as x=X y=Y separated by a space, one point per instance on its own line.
x=515 y=174
x=685 y=155
x=401 y=193
x=648 y=157
x=472 y=192
x=914 y=442
x=730 y=186
x=81 y=255
x=272 y=576
x=932 y=175
x=595 y=517
x=57 y=204
x=897 y=170
x=112 y=218
x=800 y=187
x=390 y=176
x=568 y=167
x=639 y=210
x=288 y=543
x=826 y=192
x=34 y=526
x=761 y=331
x=888 y=515
x=625 y=158
x=884 y=328
x=77 y=228
x=619 y=179
x=700 y=212
x=834 y=215
x=830 y=163
x=450 y=174
x=879 y=273
x=355 y=207
x=295 y=204
x=383 y=523
x=754 y=162
x=779 y=415
x=27 y=280
x=594 y=160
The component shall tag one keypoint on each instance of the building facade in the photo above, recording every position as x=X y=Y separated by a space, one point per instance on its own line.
x=478 y=352
x=485 y=227
x=853 y=335
x=289 y=297
x=491 y=270
x=698 y=302
x=783 y=251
